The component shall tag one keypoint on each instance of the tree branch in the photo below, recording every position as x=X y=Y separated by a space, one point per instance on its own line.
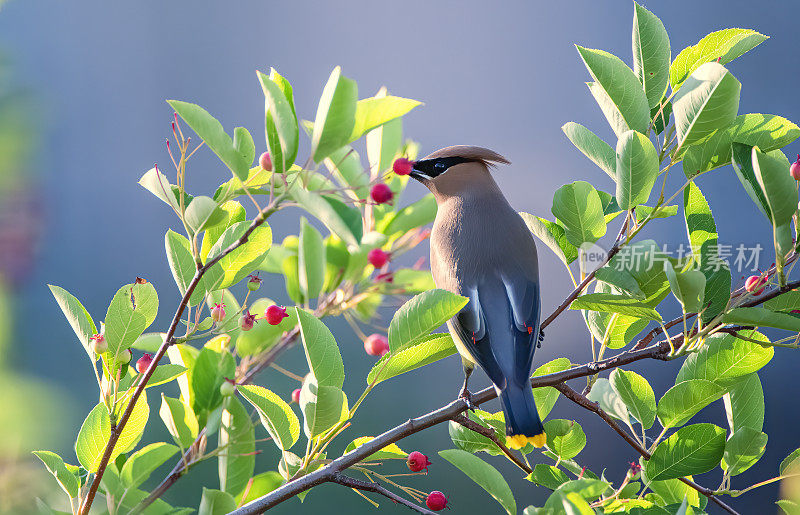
x=341 y=479
x=582 y=401
x=169 y=339
x=490 y=434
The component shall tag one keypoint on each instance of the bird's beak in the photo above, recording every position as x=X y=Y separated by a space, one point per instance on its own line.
x=420 y=176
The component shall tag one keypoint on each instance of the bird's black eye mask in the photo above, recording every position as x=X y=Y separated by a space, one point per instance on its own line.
x=432 y=168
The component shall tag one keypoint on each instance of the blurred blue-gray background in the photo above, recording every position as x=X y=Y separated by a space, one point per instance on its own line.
x=504 y=75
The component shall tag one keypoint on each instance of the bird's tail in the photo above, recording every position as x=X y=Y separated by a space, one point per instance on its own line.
x=523 y=425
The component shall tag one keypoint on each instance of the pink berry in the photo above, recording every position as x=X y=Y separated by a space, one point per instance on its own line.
x=378 y=257
x=265 y=161
x=254 y=282
x=402 y=166
x=381 y=193
x=376 y=345
x=795 y=169
x=218 y=312
x=755 y=284
x=98 y=344
x=436 y=501
x=247 y=320
x=227 y=388
x=144 y=363
x=417 y=462
x=296 y=395
x=275 y=314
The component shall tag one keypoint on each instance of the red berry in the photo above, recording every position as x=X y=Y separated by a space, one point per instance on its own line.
x=124 y=357
x=381 y=193
x=385 y=277
x=275 y=314
x=218 y=312
x=227 y=388
x=794 y=170
x=378 y=257
x=755 y=284
x=296 y=395
x=98 y=344
x=265 y=161
x=376 y=345
x=247 y=320
x=417 y=461
x=402 y=166
x=436 y=501
x=144 y=363
x=254 y=282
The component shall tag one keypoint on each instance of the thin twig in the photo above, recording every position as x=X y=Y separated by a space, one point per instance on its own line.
x=490 y=434
x=582 y=401
x=341 y=479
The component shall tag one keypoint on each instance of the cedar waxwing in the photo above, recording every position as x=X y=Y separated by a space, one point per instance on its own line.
x=482 y=249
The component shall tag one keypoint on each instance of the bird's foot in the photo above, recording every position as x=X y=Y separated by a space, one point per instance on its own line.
x=467 y=396
x=541 y=339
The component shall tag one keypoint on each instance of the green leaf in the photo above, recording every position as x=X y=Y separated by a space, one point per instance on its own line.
x=725 y=45
x=180 y=420
x=766 y=131
x=626 y=107
x=547 y=476
x=391 y=451
x=708 y=101
x=637 y=169
x=578 y=207
x=327 y=211
x=277 y=417
x=157 y=183
x=55 y=465
x=383 y=142
x=237 y=264
x=661 y=116
x=216 y=502
x=311 y=261
x=651 y=53
x=96 y=430
x=417 y=214
x=546 y=396
x=743 y=449
x=685 y=399
x=261 y=485
x=423 y=352
x=788 y=507
x=280 y=122
x=742 y=156
x=597 y=150
x=336 y=113
x=790 y=464
x=673 y=491
x=744 y=404
x=323 y=407
x=203 y=213
x=237 y=446
x=552 y=235
x=587 y=488
x=609 y=400
x=614 y=303
x=787 y=301
x=690 y=450
x=703 y=238
x=572 y=503
x=688 y=287
x=214 y=136
x=470 y=441
x=564 y=437
x=762 y=317
x=486 y=476
x=378 y=110
x=724 y=359
x=780 y=190
x=79 y=319
x=422 y=314
x=144 y=462
x=636 y=393
x=208 y=373
x=322 y=352
x=132 y=310
x=183 y=266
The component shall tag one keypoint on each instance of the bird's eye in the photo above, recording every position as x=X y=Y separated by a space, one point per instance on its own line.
x=439 y=167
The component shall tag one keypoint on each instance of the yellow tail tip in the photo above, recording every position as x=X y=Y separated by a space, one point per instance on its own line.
x=520 y=441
